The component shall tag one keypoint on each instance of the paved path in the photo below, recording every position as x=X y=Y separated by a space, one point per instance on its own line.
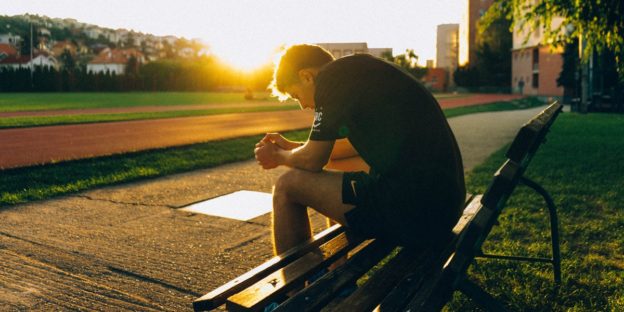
x=128 y=247
x=38 y=145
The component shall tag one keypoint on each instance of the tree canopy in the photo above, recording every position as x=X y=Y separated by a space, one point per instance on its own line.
x=600 y=23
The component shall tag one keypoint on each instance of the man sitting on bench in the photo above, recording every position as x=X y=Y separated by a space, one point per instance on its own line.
x=414 y=193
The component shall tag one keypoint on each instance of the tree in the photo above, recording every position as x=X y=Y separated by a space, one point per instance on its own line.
x=408 y=62
x=68 y=71
x=494 y=45
x=599 y=23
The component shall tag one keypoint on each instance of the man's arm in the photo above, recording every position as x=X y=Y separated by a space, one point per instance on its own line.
x=312 y=156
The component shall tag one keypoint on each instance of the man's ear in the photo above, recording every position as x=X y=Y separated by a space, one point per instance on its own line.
x=306 y=75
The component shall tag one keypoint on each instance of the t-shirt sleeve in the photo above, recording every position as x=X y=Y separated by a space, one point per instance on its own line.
x=326 y=125
x=330 y=112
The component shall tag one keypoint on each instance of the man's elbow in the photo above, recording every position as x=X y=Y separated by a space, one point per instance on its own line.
x=314 y=165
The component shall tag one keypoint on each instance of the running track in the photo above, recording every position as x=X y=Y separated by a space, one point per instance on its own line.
x=29 y=146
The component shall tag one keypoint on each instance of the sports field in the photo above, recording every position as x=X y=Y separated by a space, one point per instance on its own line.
x=14 y=102
x=18 y=110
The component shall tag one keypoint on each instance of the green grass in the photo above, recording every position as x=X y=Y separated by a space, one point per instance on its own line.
x=581 y=165
x=523 y=103
x=13 y=102
x=37 y=121
x=40 y=182
x=28 y=121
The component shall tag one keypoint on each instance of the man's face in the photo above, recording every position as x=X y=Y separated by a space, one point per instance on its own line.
x=303 y=91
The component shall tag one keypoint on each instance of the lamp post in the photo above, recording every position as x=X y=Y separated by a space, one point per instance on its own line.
x=32 y=63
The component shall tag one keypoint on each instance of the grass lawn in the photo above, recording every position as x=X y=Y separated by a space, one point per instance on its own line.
x=21 y=122
x=40 y=182
x=37 y=121
x=14 y=102
x=581 y=165
x=523 y=103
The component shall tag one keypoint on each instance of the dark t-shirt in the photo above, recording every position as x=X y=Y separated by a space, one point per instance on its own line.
x=394 y=123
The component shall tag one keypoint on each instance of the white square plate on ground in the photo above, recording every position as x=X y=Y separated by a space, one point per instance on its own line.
x=241 y=205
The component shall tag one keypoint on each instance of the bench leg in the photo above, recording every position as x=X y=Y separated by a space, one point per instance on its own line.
x=554 y=234
x=554 y=226
x=474 y=292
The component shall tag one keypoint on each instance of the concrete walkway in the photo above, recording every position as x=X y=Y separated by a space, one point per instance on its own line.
x=128 y=247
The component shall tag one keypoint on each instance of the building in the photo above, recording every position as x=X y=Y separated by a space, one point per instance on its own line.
x=11 y=39
x=380 y=52
x=436 y=79
x=339 y=50
x=447 y=49
x=535 y=66
x=7 y=50
x=473 y=11
x=113 y=61
x=24 y=61
x=59 y=47
x=447 y=46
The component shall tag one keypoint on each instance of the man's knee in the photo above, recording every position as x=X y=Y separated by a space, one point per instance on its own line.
x=288 y=183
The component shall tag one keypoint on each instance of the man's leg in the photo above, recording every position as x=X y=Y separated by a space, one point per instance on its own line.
x=294 y=191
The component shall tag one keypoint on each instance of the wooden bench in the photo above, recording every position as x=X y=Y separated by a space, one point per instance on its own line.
x=410 y=279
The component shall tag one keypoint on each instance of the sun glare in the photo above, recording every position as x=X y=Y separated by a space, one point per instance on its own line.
x=244 y=57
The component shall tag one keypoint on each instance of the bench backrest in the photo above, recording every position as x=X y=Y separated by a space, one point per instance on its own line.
x=441 y=268
x=520 y=153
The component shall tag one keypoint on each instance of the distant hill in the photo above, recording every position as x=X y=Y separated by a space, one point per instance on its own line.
x=89 y=39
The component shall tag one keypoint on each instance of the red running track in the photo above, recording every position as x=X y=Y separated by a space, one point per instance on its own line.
x=21 y=147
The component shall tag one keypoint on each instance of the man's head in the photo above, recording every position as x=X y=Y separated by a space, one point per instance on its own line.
x=295 y=72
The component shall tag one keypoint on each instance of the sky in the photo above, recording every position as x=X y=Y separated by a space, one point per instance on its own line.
x=247 y=33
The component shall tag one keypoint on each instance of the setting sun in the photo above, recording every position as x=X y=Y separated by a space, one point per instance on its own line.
x=244 y=56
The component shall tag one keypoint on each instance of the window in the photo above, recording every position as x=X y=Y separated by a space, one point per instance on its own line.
x=536 y=56
x=535 y=81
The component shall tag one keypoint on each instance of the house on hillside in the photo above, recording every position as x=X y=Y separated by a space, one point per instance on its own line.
x=114 y=61
x=92 y=32
x=11 y=39
x=59 y=47
x=24 y=61
x=7 y=50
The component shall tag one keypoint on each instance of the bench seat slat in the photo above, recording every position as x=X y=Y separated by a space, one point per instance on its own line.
x=294 y=274
x=408 y=267
x=324 y=289
x=217 y=297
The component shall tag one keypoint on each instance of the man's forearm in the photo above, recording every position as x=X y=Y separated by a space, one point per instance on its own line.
x=312 y=156
x=297 y=158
